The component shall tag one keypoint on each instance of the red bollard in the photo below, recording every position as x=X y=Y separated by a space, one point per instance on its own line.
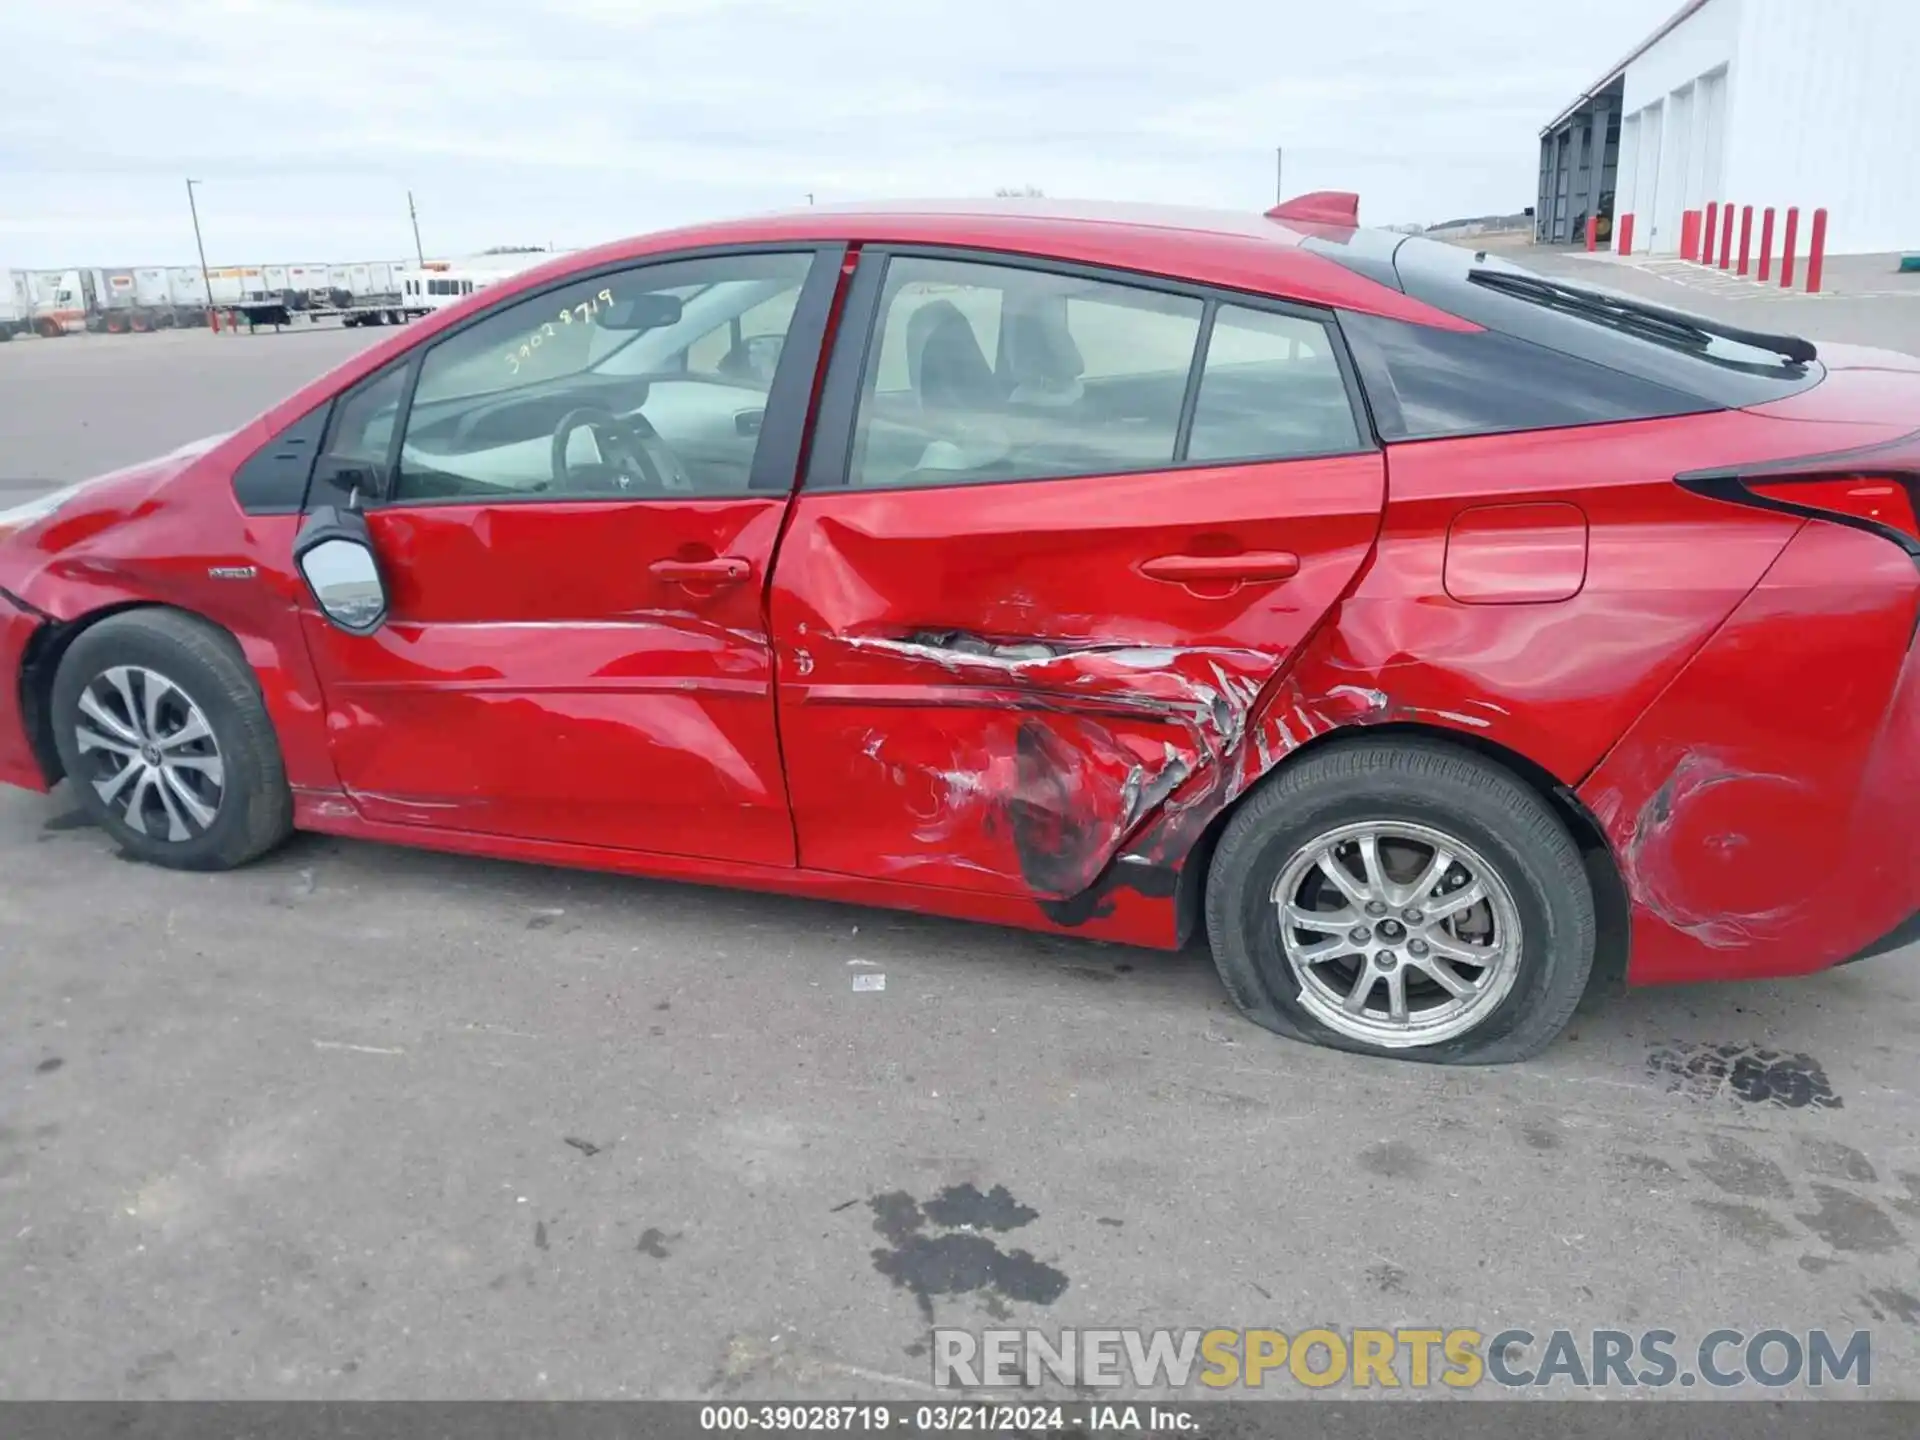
x=1626 y=234
x=1816 y=251
x=1786 y=247
x=1746 y=236
x=213 y=319
x=1726 y=236
x=1593 y=232
x=1689 y=234
x=1766 y=242
x=1706 y=248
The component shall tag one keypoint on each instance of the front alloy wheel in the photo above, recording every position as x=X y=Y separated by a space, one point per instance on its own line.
x=155 y=760
x=165 y=738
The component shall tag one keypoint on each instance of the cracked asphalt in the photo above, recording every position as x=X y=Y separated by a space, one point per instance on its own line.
x=356 y=1122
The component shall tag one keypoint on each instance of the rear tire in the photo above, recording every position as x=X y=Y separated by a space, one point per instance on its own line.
x=168 y=745
x=1477 y=957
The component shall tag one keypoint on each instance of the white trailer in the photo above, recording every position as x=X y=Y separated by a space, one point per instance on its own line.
x=16 y=304
x=138 y=299
x=187 y=289
x=353 y=279
x=306 y=278
x=150 y=286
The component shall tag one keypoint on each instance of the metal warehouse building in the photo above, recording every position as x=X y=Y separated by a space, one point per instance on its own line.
x=1807 y=103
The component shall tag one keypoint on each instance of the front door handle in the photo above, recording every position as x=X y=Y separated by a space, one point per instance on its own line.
x=721 y=570
x=1253 y=565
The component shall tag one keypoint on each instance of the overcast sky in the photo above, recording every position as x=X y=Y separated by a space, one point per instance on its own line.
x=573 y=121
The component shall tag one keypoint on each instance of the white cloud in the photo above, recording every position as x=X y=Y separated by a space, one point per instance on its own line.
x=575 y=120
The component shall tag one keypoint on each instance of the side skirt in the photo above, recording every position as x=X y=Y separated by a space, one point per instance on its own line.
x=1130 y=917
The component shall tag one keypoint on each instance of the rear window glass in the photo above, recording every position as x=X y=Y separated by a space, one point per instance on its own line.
x=1656 y=360
x=1425 y=382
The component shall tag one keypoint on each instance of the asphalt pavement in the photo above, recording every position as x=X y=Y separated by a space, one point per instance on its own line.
x=361 y=1122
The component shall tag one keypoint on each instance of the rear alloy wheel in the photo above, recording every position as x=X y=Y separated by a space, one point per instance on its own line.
x=1402 y=898
x=1397 y=934
x=167 y=743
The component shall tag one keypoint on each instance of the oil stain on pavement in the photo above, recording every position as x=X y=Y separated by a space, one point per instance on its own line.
x=1751 y=1073
x=939 y=1248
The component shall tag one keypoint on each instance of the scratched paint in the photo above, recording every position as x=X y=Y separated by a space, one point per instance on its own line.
x=1654 y=867
x=1784 y=843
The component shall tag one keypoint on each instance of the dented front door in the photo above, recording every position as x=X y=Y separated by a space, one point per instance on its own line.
x=1017 y=687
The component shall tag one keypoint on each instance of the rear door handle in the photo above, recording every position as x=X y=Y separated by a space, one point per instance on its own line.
x=721 y=570
x=1254 y=565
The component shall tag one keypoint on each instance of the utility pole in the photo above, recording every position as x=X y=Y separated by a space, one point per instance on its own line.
x=1279 y=171
x=809 y=197
x=414 y=216
x=206 y=278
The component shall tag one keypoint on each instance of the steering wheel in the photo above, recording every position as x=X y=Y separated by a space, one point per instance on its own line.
x=624 y=464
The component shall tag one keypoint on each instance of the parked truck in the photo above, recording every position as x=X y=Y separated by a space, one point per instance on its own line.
x=60 y=302
x=29 y=302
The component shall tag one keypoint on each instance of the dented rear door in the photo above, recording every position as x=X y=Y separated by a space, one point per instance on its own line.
x=1035 y=585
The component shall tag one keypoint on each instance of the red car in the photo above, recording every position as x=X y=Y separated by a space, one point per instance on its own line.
x=1420 y=628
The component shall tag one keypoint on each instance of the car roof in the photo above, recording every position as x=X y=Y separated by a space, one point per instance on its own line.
x=1238 y=250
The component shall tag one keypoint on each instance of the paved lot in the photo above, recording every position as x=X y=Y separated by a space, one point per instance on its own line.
x=78 y=405
x=356 y=1122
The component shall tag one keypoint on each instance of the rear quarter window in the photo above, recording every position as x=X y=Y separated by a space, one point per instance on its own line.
x=1271 y=388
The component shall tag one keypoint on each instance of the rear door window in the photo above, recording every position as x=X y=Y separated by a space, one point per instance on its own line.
x=985 y=372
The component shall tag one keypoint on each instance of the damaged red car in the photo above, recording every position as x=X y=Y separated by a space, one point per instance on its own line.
x=1425 y=632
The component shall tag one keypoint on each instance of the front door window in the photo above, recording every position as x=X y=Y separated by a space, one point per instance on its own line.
x=645 y=382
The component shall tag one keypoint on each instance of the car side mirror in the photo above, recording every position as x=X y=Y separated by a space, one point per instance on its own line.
x=334 y=551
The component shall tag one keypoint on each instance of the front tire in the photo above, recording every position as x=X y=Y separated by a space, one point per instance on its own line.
x=167 y=742
x=1402 y=898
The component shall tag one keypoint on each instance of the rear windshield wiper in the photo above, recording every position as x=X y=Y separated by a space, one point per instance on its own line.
x=1654 y=321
